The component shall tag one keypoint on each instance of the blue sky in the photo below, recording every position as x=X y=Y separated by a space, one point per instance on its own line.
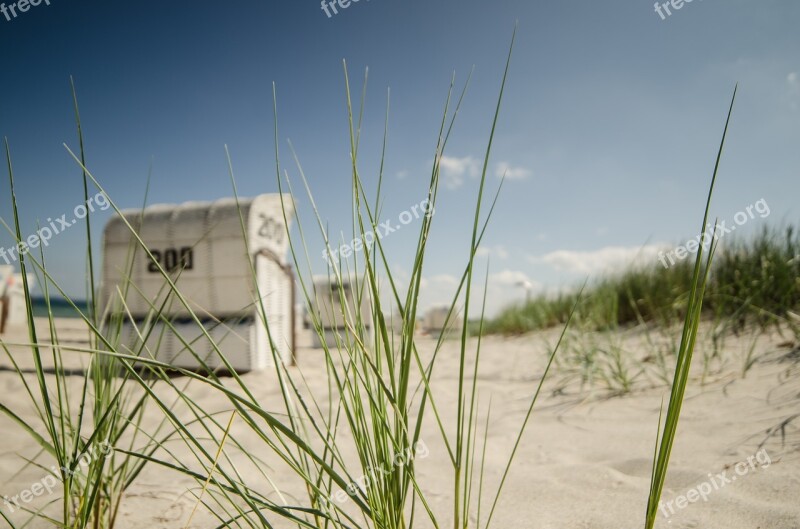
x=607 y=134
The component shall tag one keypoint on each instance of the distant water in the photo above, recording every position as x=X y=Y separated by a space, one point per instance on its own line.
x=58 y=307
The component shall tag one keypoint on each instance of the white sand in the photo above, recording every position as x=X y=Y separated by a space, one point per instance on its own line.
x=584 y=462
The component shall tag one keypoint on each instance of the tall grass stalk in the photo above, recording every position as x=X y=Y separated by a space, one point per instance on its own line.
x=686 y=349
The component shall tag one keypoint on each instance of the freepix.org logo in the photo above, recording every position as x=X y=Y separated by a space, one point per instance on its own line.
x=382 y=230
x=331 y=7
x=50 y=483
x=718 y=231
x=665 y=9
x=59 y=225
x=12 y=11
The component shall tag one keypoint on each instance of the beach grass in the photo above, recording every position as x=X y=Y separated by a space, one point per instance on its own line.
x=78 y=426
x=354 y=450
x=348 y=457
x=363 y=437
x=754 y=280
x=702 y=270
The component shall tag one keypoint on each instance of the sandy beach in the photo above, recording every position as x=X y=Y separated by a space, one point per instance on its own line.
x=584 y=461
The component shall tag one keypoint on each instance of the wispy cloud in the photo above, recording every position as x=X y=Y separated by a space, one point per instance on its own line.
x=498 y=251
x=511 y=173
x=793 y=80
x=513 y=278
x=437 y=290
x=503 y=287
x=599 y=261
x=441 y=279
x=456 y=170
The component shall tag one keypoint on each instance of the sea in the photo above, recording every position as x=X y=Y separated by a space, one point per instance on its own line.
x=60 y=308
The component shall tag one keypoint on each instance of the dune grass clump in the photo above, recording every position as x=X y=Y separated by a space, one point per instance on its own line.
x=754 y=280
x=759 y=278
x=78 y=427
x=348 y=458
x=640 y=293
x=540 y=312
x=370 y=424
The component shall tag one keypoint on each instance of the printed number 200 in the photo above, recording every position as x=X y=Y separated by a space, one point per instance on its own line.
x=171 y=259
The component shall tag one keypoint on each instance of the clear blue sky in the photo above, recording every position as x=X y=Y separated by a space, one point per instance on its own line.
x=609 y=128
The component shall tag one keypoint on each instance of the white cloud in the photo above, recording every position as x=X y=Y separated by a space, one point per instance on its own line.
x=402 y=175
x=513 y=278
x=505 y=287
x=439 y=280
x=498 y=251
x=437 y=290
x=603 y=260
x=511 y=173
x=793 y=80
x=455 y=170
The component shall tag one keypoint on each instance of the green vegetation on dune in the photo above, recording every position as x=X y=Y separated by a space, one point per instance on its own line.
x=752 y=279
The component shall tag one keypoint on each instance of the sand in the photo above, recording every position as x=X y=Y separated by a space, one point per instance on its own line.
x=584 y=462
